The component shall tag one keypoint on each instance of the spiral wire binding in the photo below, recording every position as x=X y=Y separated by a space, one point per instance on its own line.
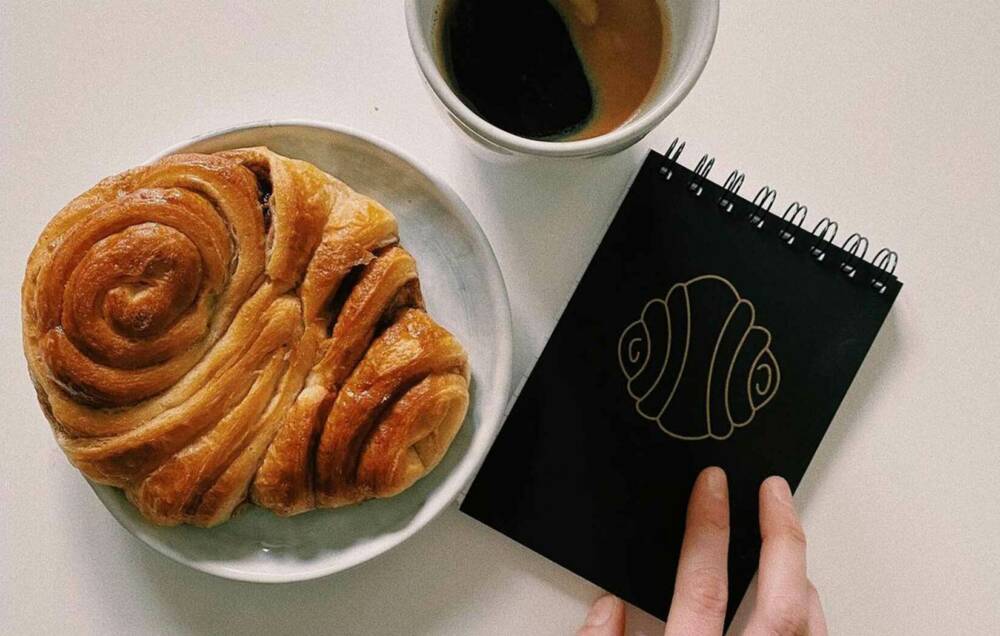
x=762 y=201
x=798 y=216
x=672 y=155
x=885 y=262
x=733 y=184
x=851 y=246
x=825 y=226
x=854 y=247
x=701 y=174
x=675 y=150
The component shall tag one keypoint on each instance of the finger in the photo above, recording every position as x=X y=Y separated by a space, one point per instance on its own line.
x=700 y=591
x=817 y=620
x=782 y=586
x=605 y=618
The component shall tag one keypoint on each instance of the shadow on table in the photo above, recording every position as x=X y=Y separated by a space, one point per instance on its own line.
x=433 y=583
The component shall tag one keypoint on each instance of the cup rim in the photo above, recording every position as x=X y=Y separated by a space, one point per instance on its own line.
x=631 y=131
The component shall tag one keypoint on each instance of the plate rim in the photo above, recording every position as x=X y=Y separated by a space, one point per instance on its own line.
x=470 y=463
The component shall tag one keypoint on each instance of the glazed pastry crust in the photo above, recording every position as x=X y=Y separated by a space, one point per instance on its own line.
x=209 y=329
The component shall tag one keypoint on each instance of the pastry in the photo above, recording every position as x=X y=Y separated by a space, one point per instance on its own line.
x=211 y=329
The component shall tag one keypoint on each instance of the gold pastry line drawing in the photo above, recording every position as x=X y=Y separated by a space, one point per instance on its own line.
x=695 y=361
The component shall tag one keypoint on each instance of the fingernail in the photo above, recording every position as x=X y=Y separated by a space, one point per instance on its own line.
x=715 y=481
x=779 y=489
x=601 y=611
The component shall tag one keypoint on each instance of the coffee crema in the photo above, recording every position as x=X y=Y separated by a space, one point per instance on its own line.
x=554 y=69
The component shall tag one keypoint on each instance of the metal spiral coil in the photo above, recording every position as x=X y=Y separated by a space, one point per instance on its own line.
x=671 y=156
x=675 y=149
x=852 y=245
x=733 y=184
x=798 y=216
x=825 y=226
x=885 y=265
x=763 y=201
x=701 y=174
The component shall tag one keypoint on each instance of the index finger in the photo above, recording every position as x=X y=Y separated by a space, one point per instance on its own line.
x=700 y=592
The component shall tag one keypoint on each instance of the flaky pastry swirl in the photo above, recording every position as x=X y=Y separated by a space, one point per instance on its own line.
x=209 y=329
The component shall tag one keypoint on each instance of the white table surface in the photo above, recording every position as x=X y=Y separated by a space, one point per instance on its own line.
x=884 y=115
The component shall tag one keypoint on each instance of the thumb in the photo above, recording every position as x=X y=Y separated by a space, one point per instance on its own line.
x=605 y=618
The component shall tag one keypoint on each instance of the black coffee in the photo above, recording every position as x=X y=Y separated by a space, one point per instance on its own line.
x=553 y=69
x=514 y=63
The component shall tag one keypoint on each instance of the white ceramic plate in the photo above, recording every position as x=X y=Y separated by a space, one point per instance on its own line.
x=464 y=290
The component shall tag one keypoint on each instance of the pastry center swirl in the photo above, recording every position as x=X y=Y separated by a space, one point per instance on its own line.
x=132 y=285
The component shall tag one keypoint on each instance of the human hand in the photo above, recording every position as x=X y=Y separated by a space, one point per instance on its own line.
x=786 y=602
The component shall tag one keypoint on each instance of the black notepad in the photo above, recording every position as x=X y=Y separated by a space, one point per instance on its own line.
x=705 y=331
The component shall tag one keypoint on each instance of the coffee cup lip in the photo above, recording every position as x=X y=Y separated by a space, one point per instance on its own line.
x=625 y=135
